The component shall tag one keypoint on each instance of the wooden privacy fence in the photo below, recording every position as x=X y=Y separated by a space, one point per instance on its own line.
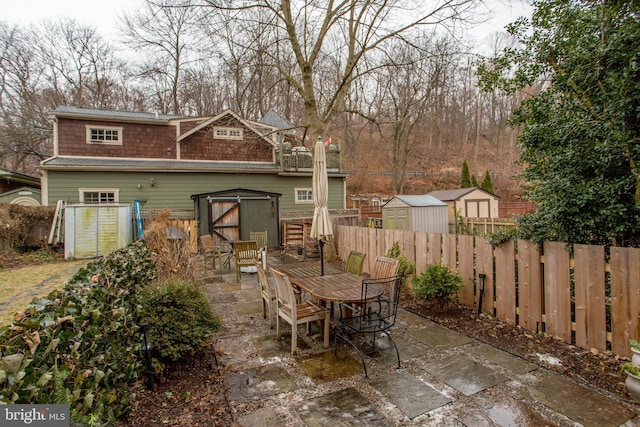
x=569 y=292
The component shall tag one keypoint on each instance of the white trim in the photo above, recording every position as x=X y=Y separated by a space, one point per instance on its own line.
x=306 y=201
x=55 y=136
x=225 y=132
x=115 y=191
x=106 y=129
x=44 y=187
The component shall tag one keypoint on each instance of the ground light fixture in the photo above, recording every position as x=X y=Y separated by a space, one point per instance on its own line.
x=147 y=347
x=482 y=276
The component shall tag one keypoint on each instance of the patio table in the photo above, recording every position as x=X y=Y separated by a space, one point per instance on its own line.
x=336 y=286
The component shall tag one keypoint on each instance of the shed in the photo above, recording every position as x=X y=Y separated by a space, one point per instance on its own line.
x=230 y=215
x=471 y=202
x=416 y=213
x=96 y=230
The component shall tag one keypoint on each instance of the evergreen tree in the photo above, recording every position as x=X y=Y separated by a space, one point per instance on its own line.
x=465 y=176
x=581 y=134
x=474 y=181
x=487 y=183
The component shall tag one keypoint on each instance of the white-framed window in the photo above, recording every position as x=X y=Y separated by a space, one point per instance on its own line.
x=228 y=133
x=98 y=196
x=304 y=195
x=109 y=135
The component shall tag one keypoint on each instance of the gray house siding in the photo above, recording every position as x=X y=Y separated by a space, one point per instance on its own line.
x=174 y=190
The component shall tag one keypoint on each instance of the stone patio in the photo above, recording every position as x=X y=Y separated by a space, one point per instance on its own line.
x=446 y=378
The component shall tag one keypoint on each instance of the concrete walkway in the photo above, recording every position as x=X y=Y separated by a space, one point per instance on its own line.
x=446 y=378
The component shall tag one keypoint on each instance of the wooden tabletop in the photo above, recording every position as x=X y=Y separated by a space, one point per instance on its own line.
x=334 y=286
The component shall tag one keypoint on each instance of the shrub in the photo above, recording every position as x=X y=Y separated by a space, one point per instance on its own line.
x=407 y=267
x=180 y=317
x=172 y=258
x=437 y=282
x=81 y=344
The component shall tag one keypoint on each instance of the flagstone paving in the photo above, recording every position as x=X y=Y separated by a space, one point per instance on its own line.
x=446 y=378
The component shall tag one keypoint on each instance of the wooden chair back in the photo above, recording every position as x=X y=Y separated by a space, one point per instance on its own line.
x=261 y=238
x=207 y=249
x=268 y=295
x=355 y=262
x=385 y=267
x=284 y=291
x=246 y=255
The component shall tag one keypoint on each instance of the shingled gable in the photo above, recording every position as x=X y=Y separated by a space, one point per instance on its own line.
x=258 y=128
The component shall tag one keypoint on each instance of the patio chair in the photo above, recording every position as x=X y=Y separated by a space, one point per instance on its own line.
x=246 y=255
x=385 y=267
x=208 y=251
x=268 y=295
x=355 y=262
x=295 y=313
x=261 y=238
x=375 y=314
x=222 y=253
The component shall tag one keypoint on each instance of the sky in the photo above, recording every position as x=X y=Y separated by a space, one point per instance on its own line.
x=103 y=14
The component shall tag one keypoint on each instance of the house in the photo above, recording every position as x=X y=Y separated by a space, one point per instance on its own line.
x=471 y=202
x=102 y=156
x=19 y=189
x=415 y=213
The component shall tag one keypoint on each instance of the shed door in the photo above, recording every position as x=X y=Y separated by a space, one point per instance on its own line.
x=477 y=208
x=225 y=221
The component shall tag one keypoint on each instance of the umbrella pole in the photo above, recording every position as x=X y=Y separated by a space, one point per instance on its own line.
x=321 y=244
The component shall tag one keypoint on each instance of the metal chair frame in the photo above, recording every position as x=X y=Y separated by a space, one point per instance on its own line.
x=372 y=316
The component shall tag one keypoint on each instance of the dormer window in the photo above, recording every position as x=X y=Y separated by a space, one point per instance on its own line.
x=108 y=135
x=227 y=133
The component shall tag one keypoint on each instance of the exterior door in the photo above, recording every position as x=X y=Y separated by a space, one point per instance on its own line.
x=225 y=221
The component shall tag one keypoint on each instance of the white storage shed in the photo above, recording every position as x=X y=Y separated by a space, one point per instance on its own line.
x=96 y=230
x=415 y=213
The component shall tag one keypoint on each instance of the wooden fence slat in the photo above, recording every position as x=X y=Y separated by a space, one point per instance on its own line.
x=421 y=251
x=408 y=239
x=465 y=268
x=625 y=298
x=449 y=251
x=529 y=285
x=371 y=254
x=435 y=248
x=505 y=281
x=484 y=265
x=557 y=295
x=590 y=309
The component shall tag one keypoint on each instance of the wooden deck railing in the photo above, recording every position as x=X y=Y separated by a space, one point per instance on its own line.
x=580 y=298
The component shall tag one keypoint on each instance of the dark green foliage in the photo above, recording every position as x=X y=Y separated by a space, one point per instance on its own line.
x=581 y=135
x=437 y=282
x=487 y=183
x=180 y=317
x=465 y=176
x=81 y=345
x=474 y=181
x=407 y=267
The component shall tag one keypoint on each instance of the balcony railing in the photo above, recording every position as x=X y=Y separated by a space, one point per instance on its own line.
x=300 y=159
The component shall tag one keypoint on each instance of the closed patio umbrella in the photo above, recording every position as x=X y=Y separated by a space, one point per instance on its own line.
x=321 y=227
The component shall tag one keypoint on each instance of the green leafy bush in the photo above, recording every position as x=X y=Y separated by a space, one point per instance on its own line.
x=180 y=317
x=437 y=282
x=81 y=345
x=407 y=267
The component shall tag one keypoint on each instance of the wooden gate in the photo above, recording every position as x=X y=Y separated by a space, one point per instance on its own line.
x=225 y=221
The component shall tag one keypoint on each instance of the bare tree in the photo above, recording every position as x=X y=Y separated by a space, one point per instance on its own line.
x=345 y=31
x=164 y=32
x=80 y=67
